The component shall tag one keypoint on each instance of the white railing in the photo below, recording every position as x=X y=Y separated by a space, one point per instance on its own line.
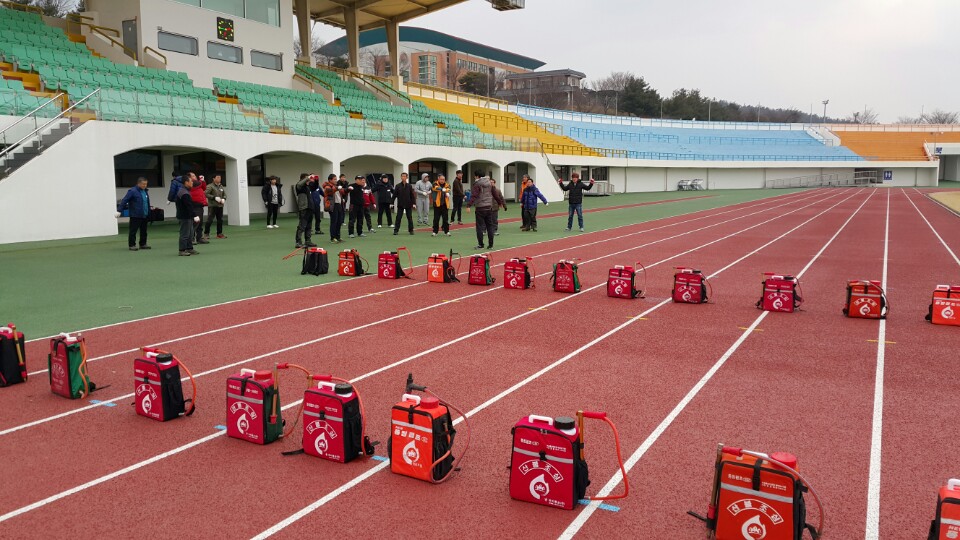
x=573 y=116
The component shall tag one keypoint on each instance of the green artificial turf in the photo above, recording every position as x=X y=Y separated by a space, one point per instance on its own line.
x=66 y=285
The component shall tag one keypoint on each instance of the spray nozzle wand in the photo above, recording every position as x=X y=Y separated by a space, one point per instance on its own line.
x=411 y=386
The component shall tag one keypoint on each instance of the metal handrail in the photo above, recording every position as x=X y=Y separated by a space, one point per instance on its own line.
x=456 y=93
x=315 y=79
x=29 y=114
x=156 y=52
x=97 y=30
x=8 y=149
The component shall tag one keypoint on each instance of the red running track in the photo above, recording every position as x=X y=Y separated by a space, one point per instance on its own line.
x=599 y=373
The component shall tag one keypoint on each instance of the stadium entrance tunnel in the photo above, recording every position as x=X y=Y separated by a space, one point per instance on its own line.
x=369 y=164
x=487 y=168
x=512 y=174
x=433 y=167
x=288 y=166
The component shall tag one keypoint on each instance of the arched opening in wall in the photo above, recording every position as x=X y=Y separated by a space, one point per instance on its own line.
x=366 y=165
x=486 y=168
x=287 y=166
x=512 y=174
x=160 y=164
x=433 y=167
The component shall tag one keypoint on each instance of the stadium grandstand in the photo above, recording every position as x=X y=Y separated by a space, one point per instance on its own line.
x=145 y=88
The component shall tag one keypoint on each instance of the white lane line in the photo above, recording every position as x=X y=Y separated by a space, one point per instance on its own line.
x=937 y=234
x=187 y=446
x=612 y=484
x=267 y=295
x=876 y=434
x=352 y=299
x=343 y=488
x=368 y=325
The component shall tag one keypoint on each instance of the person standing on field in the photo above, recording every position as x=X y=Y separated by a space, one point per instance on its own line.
x=216 y=197
x=198 y=193
x=187 y=216
x=272 y=195
x=137 y=200
x=576 y=189
x=440 y=200
x=405 y=196
x=458 y=195
x=528 y=204
x=305 y=210
x=484 y=197
x=423 y=189
x=384 y=194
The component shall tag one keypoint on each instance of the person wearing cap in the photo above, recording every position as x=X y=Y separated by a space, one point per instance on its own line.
x=458 y=196
x=216 y=198
x=483 y=197
x=528 y=204
x=404 y=196
x=384 y=194
x=423 y=189
x=355 y=198
x=440 y=200
x=198 y=194
x=137 y=200
x=576 y=189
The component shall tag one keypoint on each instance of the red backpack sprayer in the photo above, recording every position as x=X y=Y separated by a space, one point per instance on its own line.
x=518 y=273
x=547 y=465
x=334 y=425
x=946 y=524
x=480 y=270
x=13 y=364
x=945 y=305
x=690 y=286
x=422 y=435
x=758 y=496
x=253 y=406
x=865 y=300
x=440 y=268
x=622 y=282
x=351 y=263
x=566 y=277
x=388 y=265
x=780 y=293
x=67 y=367
x=157 y=387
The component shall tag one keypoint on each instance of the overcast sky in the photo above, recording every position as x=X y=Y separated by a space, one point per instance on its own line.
x=894 y=56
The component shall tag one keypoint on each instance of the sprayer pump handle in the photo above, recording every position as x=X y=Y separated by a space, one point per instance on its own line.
x=537 y=418
x=411 y=397
x=953 y=483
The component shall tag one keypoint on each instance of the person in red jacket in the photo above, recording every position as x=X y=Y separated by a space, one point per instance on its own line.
x=198 y=194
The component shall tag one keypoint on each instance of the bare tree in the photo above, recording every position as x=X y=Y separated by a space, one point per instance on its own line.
x=939 y=116
x=375 y=61
x=907 y=120
x=454 y=73
x=616 y=81
x=316 y=43
x=53 y=8
x=866 y=116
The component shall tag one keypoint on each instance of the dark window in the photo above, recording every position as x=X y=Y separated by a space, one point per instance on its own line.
x=227 y=53
x=177 y=43
x=266 y=60
x=130 y=166
x=433 y=168
x=256 y=171
x=205 y=164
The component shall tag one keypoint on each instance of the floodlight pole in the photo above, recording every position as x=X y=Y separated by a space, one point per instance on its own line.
x=825 y=102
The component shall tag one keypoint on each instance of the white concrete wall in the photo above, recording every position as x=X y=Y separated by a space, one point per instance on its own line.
x=178 y=18
x=735 y=178
x=640 y=179
x=85 y=205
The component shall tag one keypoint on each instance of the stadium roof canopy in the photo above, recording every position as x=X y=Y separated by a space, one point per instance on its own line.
x=372 y=13
x=413 y=34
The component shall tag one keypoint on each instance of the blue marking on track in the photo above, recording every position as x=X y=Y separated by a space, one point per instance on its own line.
x=98 y=402
x=603 y=506
x=379 y=458
x=219 y=427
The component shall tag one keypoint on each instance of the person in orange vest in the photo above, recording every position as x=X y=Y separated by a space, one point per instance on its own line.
x=440 y=200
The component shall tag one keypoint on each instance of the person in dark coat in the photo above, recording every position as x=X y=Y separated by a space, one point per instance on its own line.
x=305 y=210
x=576 y=189
x=187 y=216
x=272 y=195
x=137 y=200
x=528 y=204
x=384 y=194
x=355 y=196
x=458 y=195
x=485 y=197
x=405 y=198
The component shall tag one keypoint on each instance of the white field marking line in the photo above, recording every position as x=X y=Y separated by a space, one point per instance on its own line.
x=382 y=321
x=751 y=204
x=876 y=434
x=344 y=487
x=937 y=234
x=313 y=308
x=608 y=488
x=131 y=468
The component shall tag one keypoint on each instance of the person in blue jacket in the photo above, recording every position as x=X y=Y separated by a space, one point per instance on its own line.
x=137 y=200
x=528 y=204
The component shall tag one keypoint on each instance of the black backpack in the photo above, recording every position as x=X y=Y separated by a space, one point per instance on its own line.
x=315 y=262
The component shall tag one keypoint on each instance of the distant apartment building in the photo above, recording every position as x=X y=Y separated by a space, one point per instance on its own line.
x=433 y=58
